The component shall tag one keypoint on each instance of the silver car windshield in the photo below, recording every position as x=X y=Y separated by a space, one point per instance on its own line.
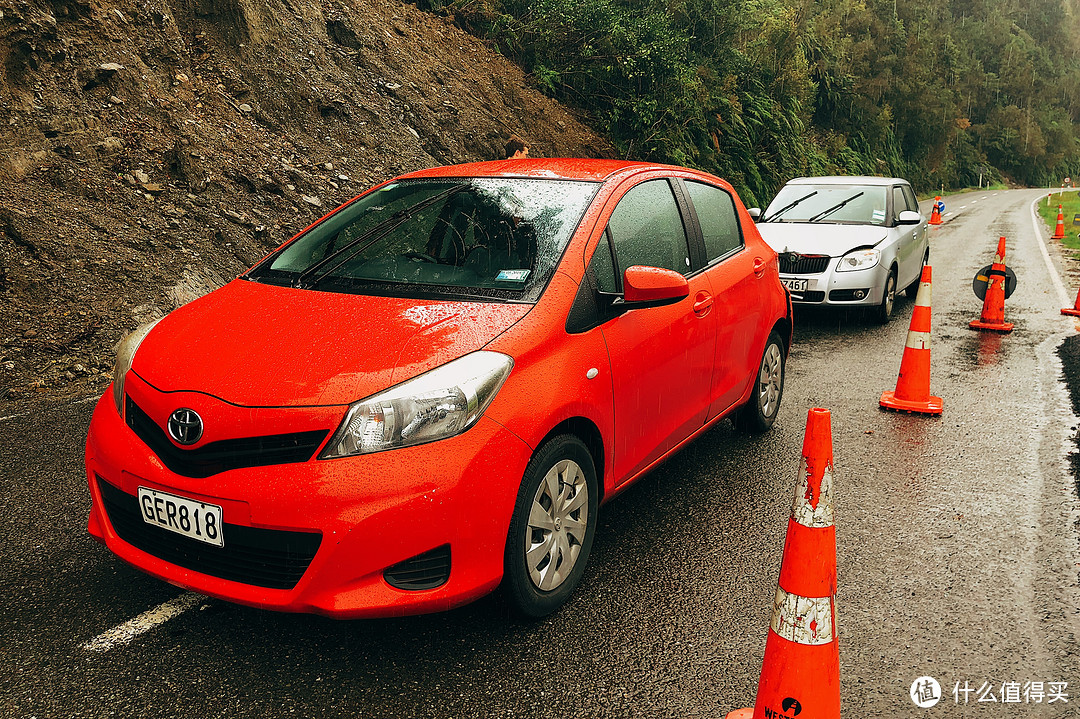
x=867 y=208
x=497 y=238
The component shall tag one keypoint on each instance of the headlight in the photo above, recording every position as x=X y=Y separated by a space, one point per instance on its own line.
x=438 y=404
x=858 y=260
x=125 y=354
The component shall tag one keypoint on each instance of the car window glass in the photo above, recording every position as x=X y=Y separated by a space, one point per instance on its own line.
x=480 y=237
x=829 y=203
x=647 y=229
x=899 y=202
x=912 y=203
x=602 y=268
x=716 y=216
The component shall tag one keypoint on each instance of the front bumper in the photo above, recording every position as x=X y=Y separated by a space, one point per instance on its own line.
x=366 y=514
x=839 y=288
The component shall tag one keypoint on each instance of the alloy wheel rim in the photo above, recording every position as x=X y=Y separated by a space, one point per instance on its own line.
x=890 y=294
x=769 y=378
x=558 y=518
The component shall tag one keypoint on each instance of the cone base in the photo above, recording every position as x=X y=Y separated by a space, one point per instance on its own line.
x=1074 y=311
x=931 y=222
x=1003 y=327
x=1057 y=237
x=933 y=405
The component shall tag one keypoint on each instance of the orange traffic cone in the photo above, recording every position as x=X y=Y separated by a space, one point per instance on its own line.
x=993 y=311
x=935 y=215
x=1059 y=231
x=912 y=392
x=1075 y=309
x=800 y=675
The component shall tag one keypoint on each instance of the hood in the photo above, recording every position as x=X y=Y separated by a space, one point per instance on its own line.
x=259 y=345
x=816 y=238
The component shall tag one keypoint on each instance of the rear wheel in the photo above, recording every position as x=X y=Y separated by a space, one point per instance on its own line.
x=759 y=414
x=552 y=529
x=883 y=313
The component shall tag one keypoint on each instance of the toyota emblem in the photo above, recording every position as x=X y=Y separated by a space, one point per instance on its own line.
x=185 y=426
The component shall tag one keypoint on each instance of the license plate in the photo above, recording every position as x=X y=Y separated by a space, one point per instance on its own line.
x=198 y=520
x=794 y=285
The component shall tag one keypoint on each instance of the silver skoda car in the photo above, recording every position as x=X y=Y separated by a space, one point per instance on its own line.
x=847 y=241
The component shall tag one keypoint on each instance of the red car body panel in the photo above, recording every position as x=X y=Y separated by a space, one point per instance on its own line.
x=269 y=360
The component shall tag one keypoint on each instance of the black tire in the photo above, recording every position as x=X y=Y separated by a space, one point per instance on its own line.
x=568 y=541
x=912 y=290
x=759 y=414
x=883 y=312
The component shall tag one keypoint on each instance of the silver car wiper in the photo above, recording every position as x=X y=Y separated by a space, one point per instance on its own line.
x=835 y=207
x=787 y=207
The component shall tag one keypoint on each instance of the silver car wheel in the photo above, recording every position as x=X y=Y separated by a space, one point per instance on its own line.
x=769 y=380
x=558 y=518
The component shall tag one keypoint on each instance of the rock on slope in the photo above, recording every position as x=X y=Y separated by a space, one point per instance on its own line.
x=151 y=150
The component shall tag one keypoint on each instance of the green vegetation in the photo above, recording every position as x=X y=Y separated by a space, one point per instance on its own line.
x=759 y=91
x=1070 y=208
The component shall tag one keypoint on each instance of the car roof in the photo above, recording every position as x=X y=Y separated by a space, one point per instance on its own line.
x=848 y=180
x=554 y=168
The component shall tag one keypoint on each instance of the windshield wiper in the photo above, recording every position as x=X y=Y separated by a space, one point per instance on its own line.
x=787 y=207
x=835 y=207
x=370 y=237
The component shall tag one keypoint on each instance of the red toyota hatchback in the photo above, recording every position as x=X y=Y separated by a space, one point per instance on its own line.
x=431 y=390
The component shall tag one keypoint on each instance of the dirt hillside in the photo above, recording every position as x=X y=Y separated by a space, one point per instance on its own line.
x=150 y=151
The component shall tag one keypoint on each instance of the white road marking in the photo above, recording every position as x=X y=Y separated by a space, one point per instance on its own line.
x=1054 y=276
x=963 y=206
x=150 y=619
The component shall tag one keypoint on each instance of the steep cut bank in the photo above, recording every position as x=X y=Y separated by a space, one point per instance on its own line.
x=150 y=151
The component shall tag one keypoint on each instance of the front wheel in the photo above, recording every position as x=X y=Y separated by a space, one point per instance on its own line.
x=551 y=532
x=883 y=312
x=759 y=414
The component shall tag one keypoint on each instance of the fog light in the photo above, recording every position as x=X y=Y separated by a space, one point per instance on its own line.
x=859 y=294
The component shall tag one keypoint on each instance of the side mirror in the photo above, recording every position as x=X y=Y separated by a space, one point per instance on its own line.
x=652 y=287
x=909 y=217
x=755 y=213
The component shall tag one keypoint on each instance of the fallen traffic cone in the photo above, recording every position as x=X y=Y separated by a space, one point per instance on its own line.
x=1075 y=309
x=993 y=311
x=1059 y=231
x=912 y=392
x=800 y=675
x=935 y=214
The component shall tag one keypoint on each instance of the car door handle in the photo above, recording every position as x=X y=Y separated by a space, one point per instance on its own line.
x=759 y=266
x=702 y=304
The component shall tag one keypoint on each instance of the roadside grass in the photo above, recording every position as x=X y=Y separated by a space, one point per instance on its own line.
x=1070 y=207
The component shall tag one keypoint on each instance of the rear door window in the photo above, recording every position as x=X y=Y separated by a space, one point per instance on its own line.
x=716 y=216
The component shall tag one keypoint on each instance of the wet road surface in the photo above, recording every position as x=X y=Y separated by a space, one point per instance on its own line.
x=957 y=545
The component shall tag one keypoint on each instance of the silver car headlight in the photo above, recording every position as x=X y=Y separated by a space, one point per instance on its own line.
x=125 y=355
x=435 y=405
x=859 y=260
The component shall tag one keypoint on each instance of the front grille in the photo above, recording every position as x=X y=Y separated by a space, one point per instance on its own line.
x=269 y=558
x=424 y=571
x=215 y=457
x=804 y=265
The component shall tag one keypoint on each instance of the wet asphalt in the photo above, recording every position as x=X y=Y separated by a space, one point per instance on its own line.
x=957 y=553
